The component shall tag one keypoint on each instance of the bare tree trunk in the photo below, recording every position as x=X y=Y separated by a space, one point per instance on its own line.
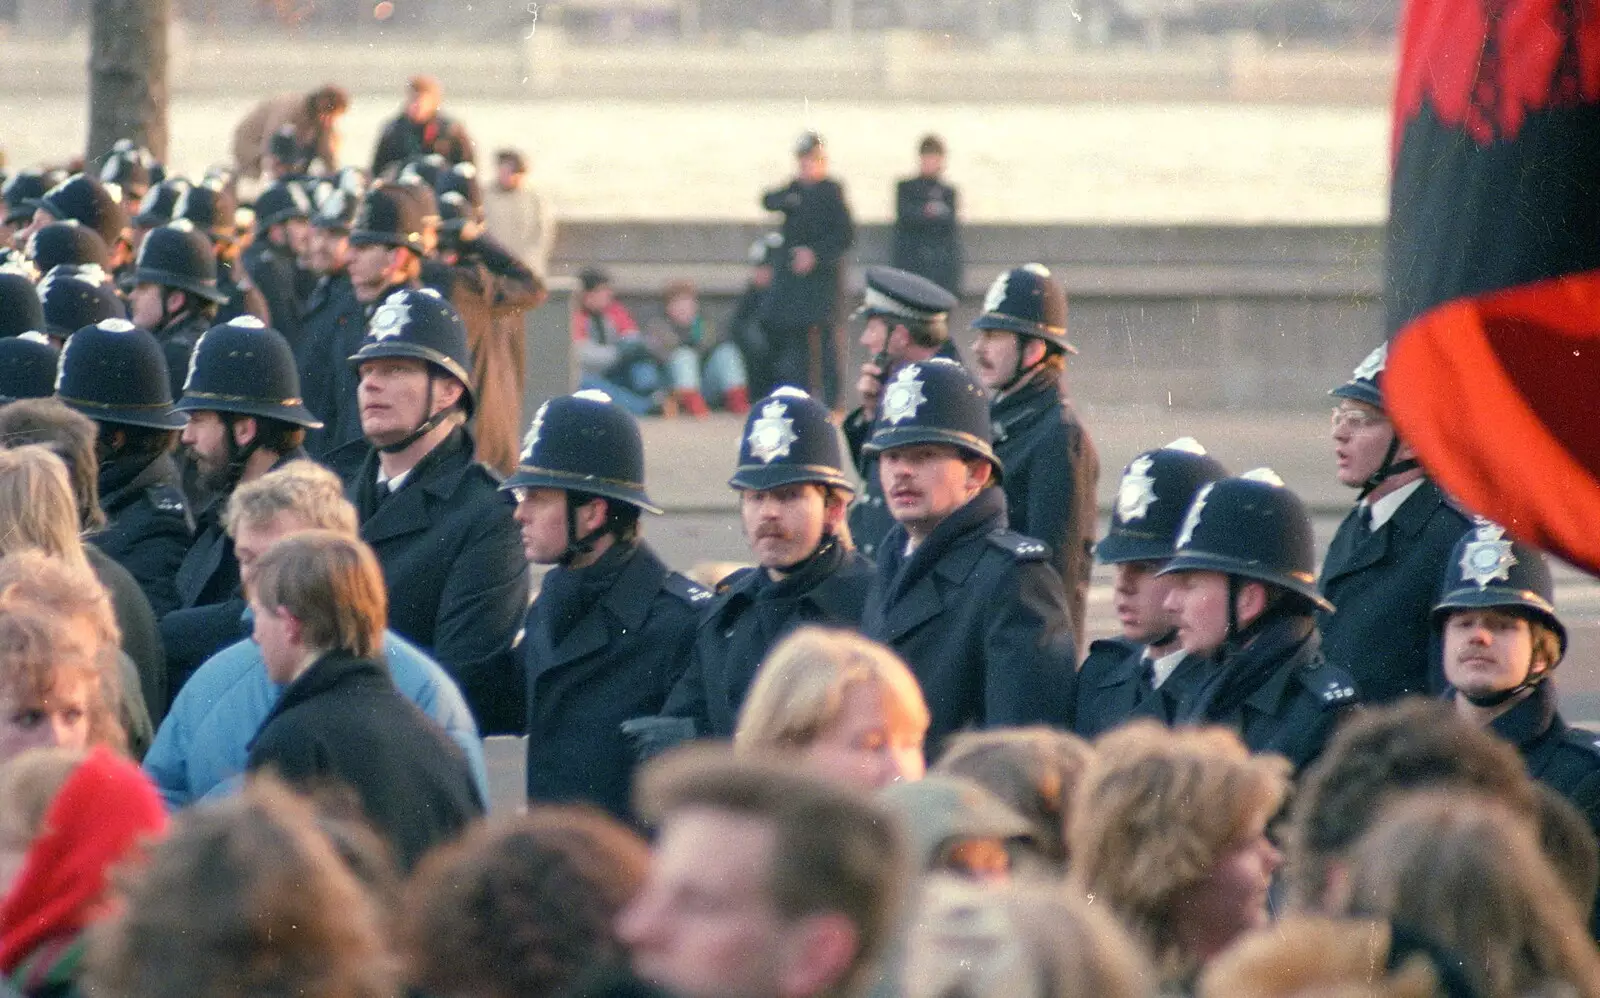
x=128 y=75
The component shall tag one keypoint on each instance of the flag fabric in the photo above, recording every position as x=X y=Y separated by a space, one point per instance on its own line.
x=1492 y=272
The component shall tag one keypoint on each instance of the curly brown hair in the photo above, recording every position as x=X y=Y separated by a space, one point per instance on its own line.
x=520 y=906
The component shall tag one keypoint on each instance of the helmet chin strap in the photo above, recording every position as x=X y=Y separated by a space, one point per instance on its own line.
x=824 y=545
x=1389 y=468
x=1529 y=682
x=1018 y=372
x=238 y=456
x=577 y=546
x=425 y=427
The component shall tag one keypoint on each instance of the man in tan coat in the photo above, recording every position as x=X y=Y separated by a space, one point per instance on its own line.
x=311 y=120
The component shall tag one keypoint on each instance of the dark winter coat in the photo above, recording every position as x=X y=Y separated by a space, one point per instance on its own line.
x=141 y=644
x=404 y=140
x=273 y=271
x=927 y=237
x=814 y=216
x=148 y=525
x=1114 y=687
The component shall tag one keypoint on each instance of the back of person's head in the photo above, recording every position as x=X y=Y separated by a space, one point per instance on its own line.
x=332 y=585
x=71 y=435
x=1017 y=943
x=1568 y=842
x=1155 y=812
x=834 y=851
x=1033 y=770
x=520 y=905
x=1383 y=753
x=244 y=898
x=43 y=657
x=64 y=591
x=304 y=490
x=1302 y=957
x=1468 y=872
x=28 y=783
x=37 y=506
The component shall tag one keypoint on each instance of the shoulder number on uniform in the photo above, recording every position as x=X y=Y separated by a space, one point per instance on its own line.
x=1020 y=546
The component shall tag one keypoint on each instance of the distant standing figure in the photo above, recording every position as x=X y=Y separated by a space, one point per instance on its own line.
x=419 y=130
x=519 y=215
x=312 y=120
x=927 y=234
x=799 y=313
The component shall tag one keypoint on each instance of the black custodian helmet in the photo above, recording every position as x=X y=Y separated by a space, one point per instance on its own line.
x=281 y=202
x=177 y=255
x=1363 y=383
x=1028 y=301
x=422 y=325
x=584 y=442
x=1154 y=495
x=244 y=366
x=935 y=402
x=789 y=439
x=69 y=242
x=115 y=372
x=27 y=367
x=85 y=199
x=20 y=309
x=1251 y=527
x=74 y=297
x=1488 y=570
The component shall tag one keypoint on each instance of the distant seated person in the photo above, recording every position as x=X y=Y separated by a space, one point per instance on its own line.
x=702 y=365
x=613 y=356
x=285 y=134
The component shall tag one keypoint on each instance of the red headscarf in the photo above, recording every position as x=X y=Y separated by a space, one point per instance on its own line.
x=106 y=808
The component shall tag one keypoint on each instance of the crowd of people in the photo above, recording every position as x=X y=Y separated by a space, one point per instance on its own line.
x=266 y=557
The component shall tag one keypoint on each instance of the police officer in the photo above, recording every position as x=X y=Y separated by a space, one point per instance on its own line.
x=1382 y=567
x=70 y=242
x=175 y=293
x=927 y=237
x=283 y=223
x=906 y=321
x=72 y=297
x=386 y=250
x=612 y=628
x=1502 y=641
x=81 y=198
x=212 y=208
x=1246 y=599
x=116 y=375
x=792 y=498
x=1146 y=672
x=127 y=171
x=328 y=252
x=799 y=313
x=27 y=367
x=20 y=308
x=458 y=584
x=974 y=608
x=1052 y=468
x=19 y=192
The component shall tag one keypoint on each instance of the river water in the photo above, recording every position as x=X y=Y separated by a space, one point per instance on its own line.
x=1123 y=163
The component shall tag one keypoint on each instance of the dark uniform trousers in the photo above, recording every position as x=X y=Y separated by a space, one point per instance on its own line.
x=148 y=525
x=1383 y=584
x=1276 y=692
x=751 y=614
x=1051 y=472
x=979 y=615
x=870 y=520
x=458 y=582
x=927 y=240
x=1115 y=687
x=617 y=660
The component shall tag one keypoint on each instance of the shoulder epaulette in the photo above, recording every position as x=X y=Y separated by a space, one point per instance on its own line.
x=687 y=589
x=1583 y=740
x=1332 y=685
x=1020 y=546
x=165 y=498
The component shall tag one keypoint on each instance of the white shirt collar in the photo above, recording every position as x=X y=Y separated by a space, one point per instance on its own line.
x=1383 y=510
x=1162 y=668
x=393 y=484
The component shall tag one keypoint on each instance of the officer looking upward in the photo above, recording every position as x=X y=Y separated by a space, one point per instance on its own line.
x=792 y=499
x=611 y=630
x=907 y=321
x=1245 y=598
x=1146 y=672
x=458 y=585
x=974 y=608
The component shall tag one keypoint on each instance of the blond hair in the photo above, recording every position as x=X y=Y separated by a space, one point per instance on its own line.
x=1033 y=770
x=332 y=585
x=60 y=589
x=1322 y=957
x=1469 y=872
x=799 y=689
x=37 y=507
x=1153 y=815
x=38 y=652
x=72 y=436
x=304 y=489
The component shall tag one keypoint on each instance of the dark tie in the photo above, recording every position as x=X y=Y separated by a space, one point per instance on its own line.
x=1364 y=521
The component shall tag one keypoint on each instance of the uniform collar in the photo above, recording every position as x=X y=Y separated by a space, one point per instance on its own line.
x=1161 y=669
x=1530 y=718
x=1383 y=510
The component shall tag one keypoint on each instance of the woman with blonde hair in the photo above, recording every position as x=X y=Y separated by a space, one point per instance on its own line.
x=1169 y=833
x=847 y=706
x=1469 y=873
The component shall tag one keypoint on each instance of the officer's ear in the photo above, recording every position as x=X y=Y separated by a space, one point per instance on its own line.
x=1033 y=351
x=979 y=472
x=176 y=301
x=447 y=392
x=244 y=430
x=1253 y=601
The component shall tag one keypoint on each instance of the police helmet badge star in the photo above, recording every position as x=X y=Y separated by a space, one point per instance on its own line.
x=391 y=317
x=1137 y=492
x=772 y=435
x=1373 y=365
x=904 y=396
x=1487 y=557
x=1192 y=520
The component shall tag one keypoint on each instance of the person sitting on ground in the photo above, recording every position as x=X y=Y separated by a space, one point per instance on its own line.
x=613 y=356
x=522 y=905
x=703 y=366
x=846 y=706
x=201 y=748
x=320 y=610
x=1186 y=880
x=66 y=819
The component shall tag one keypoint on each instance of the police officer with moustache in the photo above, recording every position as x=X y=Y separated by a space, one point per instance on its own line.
x=907 y=321
x=1382 y=567
x=792 y=498
x=1502 y=642
x=612 y=628
x=120 y=381
x=246 y=418
x=1245 y=599
x=458 y=584
x=1052 y=467
x=974 y=608
x=1146 y=672
x=175 y=293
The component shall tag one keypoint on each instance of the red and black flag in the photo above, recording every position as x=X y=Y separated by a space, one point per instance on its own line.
x=1492 y=285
